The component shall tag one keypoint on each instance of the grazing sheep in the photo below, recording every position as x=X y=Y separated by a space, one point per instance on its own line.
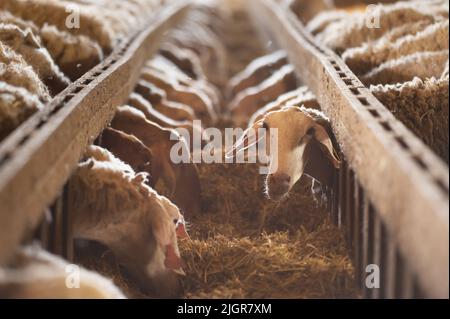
x=301 y=96
x=131 y=219
x=163 y=65
x=406 y=29
x=445 y=73
x=250 y=100
x=153 y=115
x=75 y=54
x=16 y=72
x=129 y=150
x=421 y=64
x=16 y=105
x=37 y=274
x=158 y=99
x=306 y=10
x=181 y=178
x=208 y=47
x=325 y=18
x=370 y=55
x=200 y=103
x=185 y=59
x=29 y=47
x=256 y=72
x=422 y=105
x=54 y=12
x=7 y=18
x=350 y=33
x=305 y=146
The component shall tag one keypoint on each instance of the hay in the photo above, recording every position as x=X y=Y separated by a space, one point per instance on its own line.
x=296 y=254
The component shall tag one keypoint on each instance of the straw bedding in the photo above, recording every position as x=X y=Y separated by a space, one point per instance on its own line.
x=296 y=254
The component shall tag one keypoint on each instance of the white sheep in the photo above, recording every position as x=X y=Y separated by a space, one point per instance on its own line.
x=55 y=12
x=422 y=105
x=15 y=71
x=304 y=146
x=29 y=47
x=349 y=33
x=16 y=105
x=432 y=38
x=421 y=64
x=36 y=274
x=114 y=206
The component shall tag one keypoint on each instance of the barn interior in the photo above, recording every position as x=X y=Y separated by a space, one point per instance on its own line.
x=99 y=98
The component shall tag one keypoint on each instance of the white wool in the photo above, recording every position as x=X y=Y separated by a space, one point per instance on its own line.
x=432 y=38
x=16 y=105
x=38 y=274
x=421 y=64
x=349 y=33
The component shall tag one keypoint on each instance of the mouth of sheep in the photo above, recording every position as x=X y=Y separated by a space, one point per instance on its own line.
x=275 y=192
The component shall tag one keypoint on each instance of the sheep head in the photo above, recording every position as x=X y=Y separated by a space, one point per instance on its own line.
x=304 y=146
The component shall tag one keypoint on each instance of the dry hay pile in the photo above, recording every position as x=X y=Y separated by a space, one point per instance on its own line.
x=297 y=254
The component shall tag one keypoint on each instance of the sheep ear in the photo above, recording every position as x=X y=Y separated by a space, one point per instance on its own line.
x=321 y=136
x=247 y=140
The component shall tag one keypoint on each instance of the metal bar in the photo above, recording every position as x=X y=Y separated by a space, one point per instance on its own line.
x=406 y=181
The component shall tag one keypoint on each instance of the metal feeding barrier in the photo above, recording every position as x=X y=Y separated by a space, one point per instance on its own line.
x=37 y=159
x=391 y=195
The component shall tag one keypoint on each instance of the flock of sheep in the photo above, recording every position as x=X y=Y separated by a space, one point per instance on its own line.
x=119 y=183
x=403 y=59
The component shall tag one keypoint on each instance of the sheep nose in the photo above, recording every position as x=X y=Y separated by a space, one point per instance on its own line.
x=278 y=185
x=280 y=178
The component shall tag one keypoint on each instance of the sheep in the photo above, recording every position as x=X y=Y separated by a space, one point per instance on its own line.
x=29 y=47
x=196 y=99
x=16 y=105
x=137 y=224
x=54 y=12
x=421 y=64
x=208 y=48
x=305 y=146
x=300 y=96
x=250 y=100
x=138 y=102
x=181 y=179
x=323 y=19
x=305 y=10
x=75 y=54
x=130 y=150
x=445 y=73
x=15 y=71
x=163 y=65
x=37 y=274
x=185 y=59
x=432 y=38
x=345 y=34
x=256 y=72
x=7 y=18
x=157 y=98
x=406 y=29
x=422 y=105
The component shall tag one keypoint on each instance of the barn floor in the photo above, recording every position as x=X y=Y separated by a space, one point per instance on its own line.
x=233 y=253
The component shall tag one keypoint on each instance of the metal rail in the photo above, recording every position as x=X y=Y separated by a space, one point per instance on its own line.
x=392 y=195
x=37 y=159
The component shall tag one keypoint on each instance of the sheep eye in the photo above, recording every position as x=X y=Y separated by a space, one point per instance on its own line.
x=310 y=131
